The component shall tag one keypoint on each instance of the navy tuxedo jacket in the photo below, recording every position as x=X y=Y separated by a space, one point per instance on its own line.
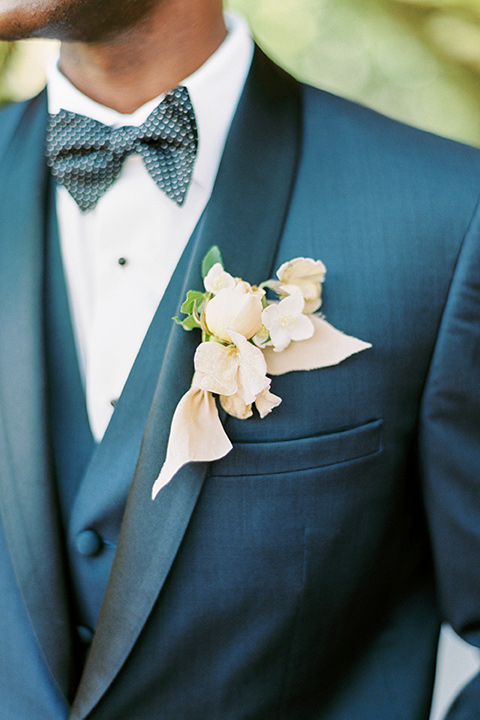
x=303 y=576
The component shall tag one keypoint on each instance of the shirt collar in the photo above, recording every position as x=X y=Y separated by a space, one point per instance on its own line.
x=214 y=89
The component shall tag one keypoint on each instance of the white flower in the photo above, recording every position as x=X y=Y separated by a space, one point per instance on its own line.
x=305 y=275
x=237 y=373
x=285 y=321
x=218 y=279
x=238 y=308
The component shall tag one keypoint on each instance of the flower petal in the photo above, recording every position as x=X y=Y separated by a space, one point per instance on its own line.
x=291 y=305
x=280 y=338
x=252 y=370
x=216 y=368
x=302 y=329
x=266 y=401
x=271 y=315
x=301 y=268
x=218 y=279
x=236 y=406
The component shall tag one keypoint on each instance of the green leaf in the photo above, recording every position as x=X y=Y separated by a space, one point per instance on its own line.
x=194 y=298
x=212 y=257
x=188 y=324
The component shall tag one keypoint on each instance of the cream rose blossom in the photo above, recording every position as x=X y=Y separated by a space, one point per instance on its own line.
x=239 y=308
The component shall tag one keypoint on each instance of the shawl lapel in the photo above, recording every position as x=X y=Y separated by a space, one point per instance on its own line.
x=28 y=505
x=245 y=217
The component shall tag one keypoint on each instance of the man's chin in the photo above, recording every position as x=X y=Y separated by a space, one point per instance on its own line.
x=21 y=23
x=71 y=20
x=49 y=19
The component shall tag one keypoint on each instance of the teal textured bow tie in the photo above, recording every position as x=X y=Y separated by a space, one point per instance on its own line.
x=86 y=156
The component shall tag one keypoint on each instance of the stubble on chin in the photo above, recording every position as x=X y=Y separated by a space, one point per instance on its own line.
x=71 y=20
x=23 y=19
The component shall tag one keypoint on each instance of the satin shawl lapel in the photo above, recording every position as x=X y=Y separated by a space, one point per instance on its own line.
x=244 y=217
x=27 y=504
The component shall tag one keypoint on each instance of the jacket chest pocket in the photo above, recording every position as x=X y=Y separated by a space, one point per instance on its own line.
x=302 y=454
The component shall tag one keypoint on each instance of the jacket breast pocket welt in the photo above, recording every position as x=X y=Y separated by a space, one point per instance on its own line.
x=301 y=454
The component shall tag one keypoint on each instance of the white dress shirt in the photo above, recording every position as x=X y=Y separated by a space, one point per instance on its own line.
x=119 y=257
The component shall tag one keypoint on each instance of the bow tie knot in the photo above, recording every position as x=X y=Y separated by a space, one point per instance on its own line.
x=124 y=140
x=86 y=156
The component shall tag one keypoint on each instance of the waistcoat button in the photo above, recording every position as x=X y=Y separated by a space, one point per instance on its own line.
x=89 y=543
x=85 y=634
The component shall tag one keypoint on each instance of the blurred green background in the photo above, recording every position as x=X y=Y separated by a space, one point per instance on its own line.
x=416 y=60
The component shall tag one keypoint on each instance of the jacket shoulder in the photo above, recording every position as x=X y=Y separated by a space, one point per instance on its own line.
x=359 y=149
x=349 y=119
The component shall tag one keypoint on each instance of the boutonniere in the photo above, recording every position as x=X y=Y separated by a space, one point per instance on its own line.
x=246 y=336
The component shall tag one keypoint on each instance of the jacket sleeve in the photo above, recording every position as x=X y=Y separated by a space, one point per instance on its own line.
x=449 y=453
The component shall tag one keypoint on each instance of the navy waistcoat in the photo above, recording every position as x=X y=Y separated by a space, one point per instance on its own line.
x=92 y=479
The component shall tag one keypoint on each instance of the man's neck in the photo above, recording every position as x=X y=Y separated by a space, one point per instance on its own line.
x=140 y=64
